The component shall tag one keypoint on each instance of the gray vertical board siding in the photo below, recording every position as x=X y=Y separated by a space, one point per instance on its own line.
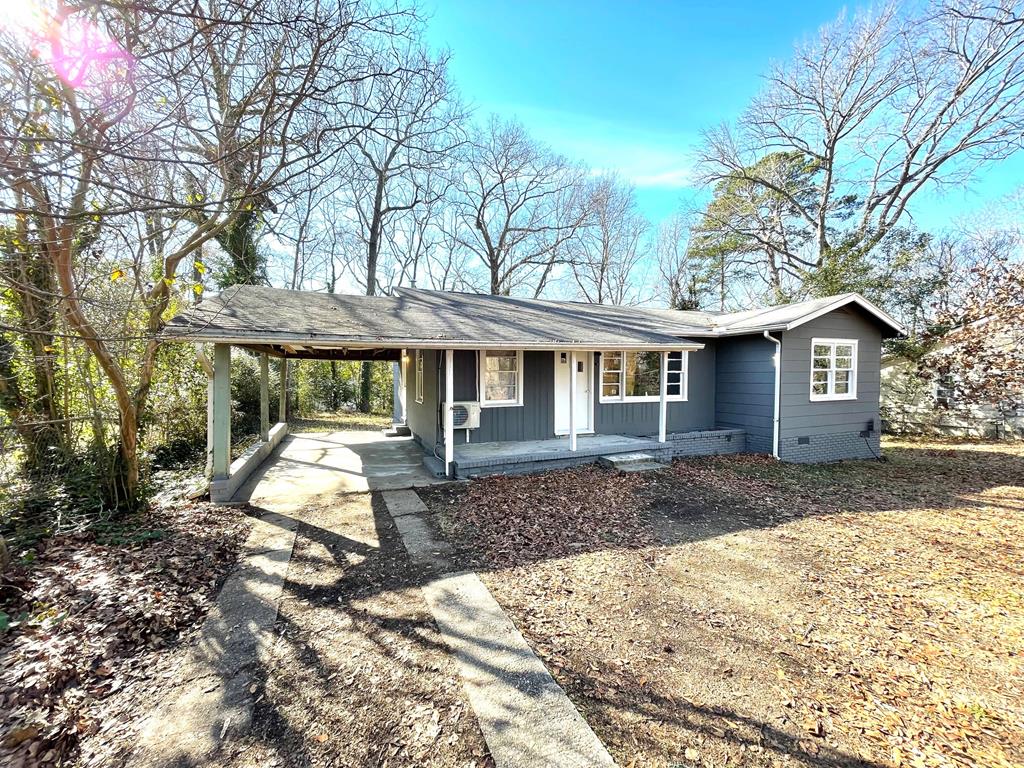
x=745 y=388
x=533 y=420
x=421 y=418
x=800 y=417
x=697 y=412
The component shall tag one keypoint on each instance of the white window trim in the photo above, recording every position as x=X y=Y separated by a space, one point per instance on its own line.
x=418 y=364
x=481 y=357
x=852 y=394
x=684 y=381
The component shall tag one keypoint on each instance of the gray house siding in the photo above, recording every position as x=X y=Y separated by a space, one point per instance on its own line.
x=421 y=418
x=745 y=388
x=697 y=412
x=830 y=430
x=533 y=420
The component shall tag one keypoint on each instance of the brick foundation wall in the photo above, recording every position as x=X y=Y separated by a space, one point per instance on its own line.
x=705 y=443
x=830 y=447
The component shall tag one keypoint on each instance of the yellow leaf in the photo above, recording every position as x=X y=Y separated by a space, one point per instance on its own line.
x=117 y=274
x=169 y=281
x=197 y=288
x=200 y=268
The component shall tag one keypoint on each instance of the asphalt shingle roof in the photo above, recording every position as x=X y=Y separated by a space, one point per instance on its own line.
x=257 y=314
x=415 y=317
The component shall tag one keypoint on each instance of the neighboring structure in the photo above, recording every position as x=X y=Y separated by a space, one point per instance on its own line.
x=536 y=383
x=916 y=404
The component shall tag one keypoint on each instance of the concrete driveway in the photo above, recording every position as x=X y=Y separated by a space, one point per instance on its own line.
x=309 y=464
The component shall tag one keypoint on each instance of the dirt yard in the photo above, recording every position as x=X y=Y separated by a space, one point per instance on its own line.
x=735 y=611
x=358 y=674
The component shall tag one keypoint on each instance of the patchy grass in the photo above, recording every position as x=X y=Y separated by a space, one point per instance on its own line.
x=735 y=610
x=340 y=421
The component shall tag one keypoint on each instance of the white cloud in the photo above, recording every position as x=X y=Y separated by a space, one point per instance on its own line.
x=648 y=159
x=678 y=178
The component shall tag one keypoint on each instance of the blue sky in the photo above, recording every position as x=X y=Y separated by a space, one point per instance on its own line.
x=630 y=85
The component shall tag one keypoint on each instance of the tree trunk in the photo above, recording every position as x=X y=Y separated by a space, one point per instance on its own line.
x=126 y=479
x=334 y=386
x=372 y=252
x=495 y=274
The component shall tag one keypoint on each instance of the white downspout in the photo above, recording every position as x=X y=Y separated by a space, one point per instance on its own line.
x=778 y=392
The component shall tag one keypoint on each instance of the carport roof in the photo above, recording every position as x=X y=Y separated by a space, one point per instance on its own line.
x=257 y=315
x=282 y=321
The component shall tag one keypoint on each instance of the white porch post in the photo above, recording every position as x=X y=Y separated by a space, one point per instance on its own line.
x=663 y=402
x=572 y=400
x=221 y=410
x=264 y=398
x=398 y=390
x=282 y=401
x=449 y=419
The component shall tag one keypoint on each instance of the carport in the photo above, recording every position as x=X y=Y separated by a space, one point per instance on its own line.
x=265 y=322
x=333 y=451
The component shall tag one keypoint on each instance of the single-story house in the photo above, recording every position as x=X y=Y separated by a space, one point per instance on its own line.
x=498 y=383
x=926 y=403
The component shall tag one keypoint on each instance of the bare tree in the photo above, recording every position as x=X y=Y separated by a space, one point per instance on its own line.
x=160 y=130
x=609 y=250
x=684 y=280
x=411 y=126
x=877 y=107
x=517 y=207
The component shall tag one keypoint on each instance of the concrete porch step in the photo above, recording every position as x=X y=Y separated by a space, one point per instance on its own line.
x=631 y=462
x=434 y=465
x=397 y=430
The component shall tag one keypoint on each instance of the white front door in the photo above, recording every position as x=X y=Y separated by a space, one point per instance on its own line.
x=584 y=387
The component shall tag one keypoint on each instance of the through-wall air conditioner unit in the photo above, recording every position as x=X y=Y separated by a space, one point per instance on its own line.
x=466 y=415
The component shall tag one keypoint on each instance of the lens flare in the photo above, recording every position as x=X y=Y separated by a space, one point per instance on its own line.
x=80 y=53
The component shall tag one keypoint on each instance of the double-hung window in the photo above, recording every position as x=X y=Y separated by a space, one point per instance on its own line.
x=833 y=369
x=945 y=390
x=636 y=376
x=501 y=377
x=419 y=376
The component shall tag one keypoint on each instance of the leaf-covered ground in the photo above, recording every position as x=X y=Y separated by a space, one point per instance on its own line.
x=737 y=611
x=94 y=624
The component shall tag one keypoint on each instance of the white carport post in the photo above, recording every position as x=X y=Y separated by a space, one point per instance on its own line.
x=282 y=400
x=264 y=398
x=663 y=399
x=398 y=390
x=221 y=410
x=449 y=417
x=572 y=400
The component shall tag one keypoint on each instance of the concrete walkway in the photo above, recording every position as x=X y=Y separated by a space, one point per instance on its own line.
x=315 y=463
x=526 y=718
x=212 y=703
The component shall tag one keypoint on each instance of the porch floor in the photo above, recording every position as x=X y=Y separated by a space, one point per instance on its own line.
x=477 y=455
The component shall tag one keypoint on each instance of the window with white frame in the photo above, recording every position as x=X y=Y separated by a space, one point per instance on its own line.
x=636 y=376
x=419 y=376
x=501 y=377
x=833 y=369
x=945 y=390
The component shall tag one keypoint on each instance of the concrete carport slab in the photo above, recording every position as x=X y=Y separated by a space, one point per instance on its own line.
x=309 y=464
